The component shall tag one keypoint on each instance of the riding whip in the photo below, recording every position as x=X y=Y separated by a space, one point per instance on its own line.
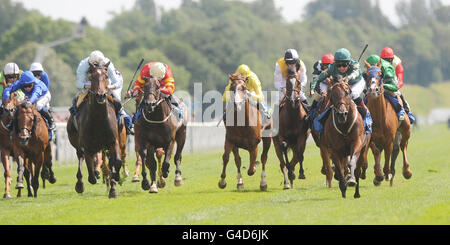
x=139 y=66
x=367 y=45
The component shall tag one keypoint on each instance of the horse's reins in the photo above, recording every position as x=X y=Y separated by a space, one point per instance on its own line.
x=349 y=129
x=162 y=121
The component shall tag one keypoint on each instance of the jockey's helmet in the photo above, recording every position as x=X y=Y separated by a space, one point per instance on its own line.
x=36 y=67
x=373 y=59
x=96 y=57
x=327 y=59
x=387 y=53
x=11 y=69
x=291 y=56
x=158 y=70
x=243 y=70
x=342 y=54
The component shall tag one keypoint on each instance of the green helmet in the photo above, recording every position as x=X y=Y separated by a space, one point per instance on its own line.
x=373 y=59
x=342 y=54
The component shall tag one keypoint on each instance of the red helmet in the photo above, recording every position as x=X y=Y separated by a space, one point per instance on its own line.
x=327 y=59
x=387 y=53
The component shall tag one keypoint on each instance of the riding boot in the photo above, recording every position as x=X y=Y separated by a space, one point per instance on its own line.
x=264 y=110
x=48 y=116
x=117 y=105
x=312 y=110
x=407 y=109
x=73 y=108
x=175 y=105
x=365 y=114
x=306 y=106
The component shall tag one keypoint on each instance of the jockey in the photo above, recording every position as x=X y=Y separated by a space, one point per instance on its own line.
x=319 y=67
x=39 y=73
x=291 y=58
x=254 y=89
x=36 y=91
x=9 y=75
x=164 y=74
x=388 y=55
x=390 y=83
x=349 y=70
x=115 y=83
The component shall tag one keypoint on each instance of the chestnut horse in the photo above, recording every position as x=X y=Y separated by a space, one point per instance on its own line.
x=344 y=139
x=293 y=130
x=95 y=129
x=158 y=127
x=243 y=130
x=31 y=141
x=388 y=132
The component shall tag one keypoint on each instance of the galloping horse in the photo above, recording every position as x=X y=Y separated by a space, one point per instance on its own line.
x=293 y=130
x=31 y=141
x=158 y=127
x=244 y=133
x=344 y=139
x=388 y=131
x=95 y=129
x=6 y=145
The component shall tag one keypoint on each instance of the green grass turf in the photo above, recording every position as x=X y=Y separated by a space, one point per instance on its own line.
x=423 y=199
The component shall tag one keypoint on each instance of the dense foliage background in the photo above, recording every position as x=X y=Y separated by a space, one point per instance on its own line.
x=205 y=40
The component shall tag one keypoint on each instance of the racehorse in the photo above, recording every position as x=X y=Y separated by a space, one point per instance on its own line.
x=243 y=132
x=158 y=127
x=388 y=132
x=95 y=129
x=293 y=130
x=344 y=139
x=31 y=141
x=6 y=145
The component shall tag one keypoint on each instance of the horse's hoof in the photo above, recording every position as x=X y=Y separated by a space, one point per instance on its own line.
x=178 y=181
x=363 y=175
x=153 y=189
x=291 y=176
x=145 y=185
x=388 y=177
x=350 y=181
x=301 y=176
x=52 y=180
x=79 y=187
x=323 y=171
x=240 y=186
x=7 y=195
x=97 y=174
x=165 y=170
x=251 y=171
x=222 y=185
x=287 y=187
x=112 y=193
x=357 y=195
x=135 y=179
x=161 y=183
x=407 y=174
x=19 y=186
x=263 y=187
x=92 y=180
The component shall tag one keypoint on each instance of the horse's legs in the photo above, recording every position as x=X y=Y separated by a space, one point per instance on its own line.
x=340 y=166
x=266 y=145
x=143 y=153
x=326 y=165
x=377 y=167
x=138 y=168
x=387 y=157
x=99 y=156
x=161 y=181
x=276 y=144
x=358 y=175
x=106 y=172
x=89 y=159
x=405 y=134
x=115 y=163
x=28 y=175
x=20 y=172
x=180 y=139
x=301 y=144
x=151 y=164
x=253 y=163
x=7 y=174
x=123 y=150
x=350 y=178
x=168 y=154
x=238 y=162
x=79 y=186
x=37 y=168
x=48 y=163
x=225 y=158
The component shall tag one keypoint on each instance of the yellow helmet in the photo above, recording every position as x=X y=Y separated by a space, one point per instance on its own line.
x=243 y=70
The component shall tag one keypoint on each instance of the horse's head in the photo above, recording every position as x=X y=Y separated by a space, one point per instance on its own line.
x=152 y=94
x=373 y=80
x=238 y=88
x=293 y=87
x=10 y=104
x=98 y=75
x=26 y=121
x=341 y=100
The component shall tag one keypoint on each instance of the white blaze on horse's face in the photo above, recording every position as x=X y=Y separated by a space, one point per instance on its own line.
x=238 y=98
x=373 y=87
x=293 y=81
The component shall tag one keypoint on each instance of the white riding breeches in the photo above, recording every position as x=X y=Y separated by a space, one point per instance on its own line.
x=44 y=101
x=357 y=88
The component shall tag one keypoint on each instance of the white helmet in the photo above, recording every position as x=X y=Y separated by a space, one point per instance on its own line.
x=11 y=69
x=36 y=67
x=158 y=70
x=96 y=57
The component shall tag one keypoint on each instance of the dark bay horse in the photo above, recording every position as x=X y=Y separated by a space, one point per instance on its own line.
x=31 y=140
x=243 y=130
x=293 y=130
x=388 y=132
x=95 y=129
x=344 y=139
x=6 y=145
x=159 y=127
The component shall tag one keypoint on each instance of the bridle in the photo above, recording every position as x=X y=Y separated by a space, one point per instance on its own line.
x=152 y=105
